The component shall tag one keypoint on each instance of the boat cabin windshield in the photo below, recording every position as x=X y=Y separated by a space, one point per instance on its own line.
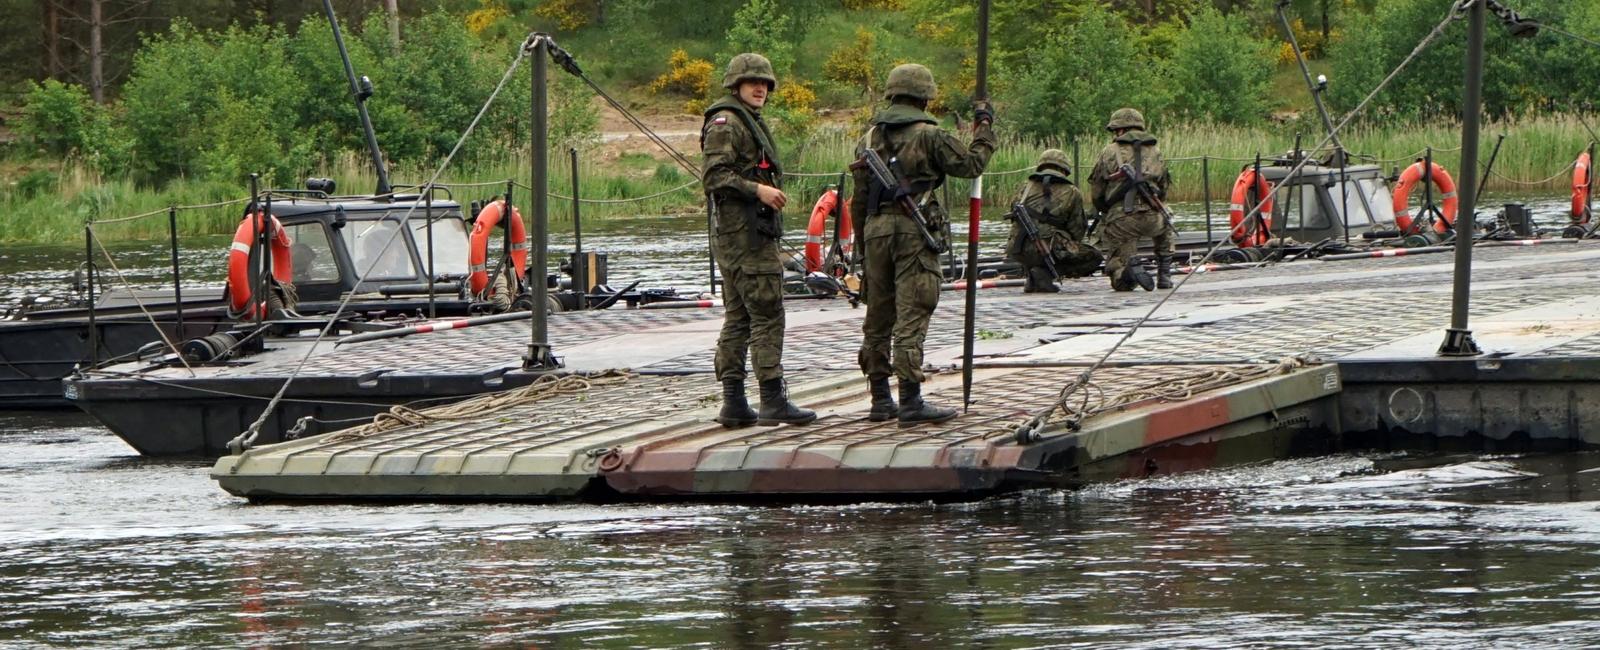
x=449 y=245
x=378 y=249
x=1319 y=200
x=312 y=254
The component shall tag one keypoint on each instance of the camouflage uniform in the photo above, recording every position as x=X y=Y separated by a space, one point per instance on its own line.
x=740 y=154
x=1121 y=228
x=1057 y=210
x=902 y=277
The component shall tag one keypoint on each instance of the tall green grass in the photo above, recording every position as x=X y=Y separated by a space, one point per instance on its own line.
x=1537 y=148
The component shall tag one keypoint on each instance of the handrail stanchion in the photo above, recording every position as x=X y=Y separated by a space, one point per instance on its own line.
x=1205 y=188
x=88 y=259
x=427 y=215
x=177 y=279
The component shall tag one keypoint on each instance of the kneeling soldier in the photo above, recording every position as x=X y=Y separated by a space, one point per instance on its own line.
x=1048 y=216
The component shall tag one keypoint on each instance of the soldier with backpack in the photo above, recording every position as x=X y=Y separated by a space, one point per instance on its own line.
x=902 y=274
x=1128 y=217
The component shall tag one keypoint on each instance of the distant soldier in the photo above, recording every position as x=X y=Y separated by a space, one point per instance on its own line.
x=1056 y=209
x=902 y=276
x=1127 y=216
x=743 y=178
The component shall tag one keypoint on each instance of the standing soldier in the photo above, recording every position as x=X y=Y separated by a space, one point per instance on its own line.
x=742 y=178
x=1055 y=207
x=1128 y=216
x=902 y=277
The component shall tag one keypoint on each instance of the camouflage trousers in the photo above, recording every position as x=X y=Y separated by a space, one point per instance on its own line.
x=901 y=288
x=752 y=307
x=1120 y=235
x=1072 y=259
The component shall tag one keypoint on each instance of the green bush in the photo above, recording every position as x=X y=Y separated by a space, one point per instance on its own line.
x=62 y=121
x=1519 y=73
x=187 y=83
x=761 y=27
x=1215 y=70
x=1082 y=73
x=56 y=117
x=35 y=183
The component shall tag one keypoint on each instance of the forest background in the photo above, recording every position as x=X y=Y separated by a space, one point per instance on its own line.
x=115 y=107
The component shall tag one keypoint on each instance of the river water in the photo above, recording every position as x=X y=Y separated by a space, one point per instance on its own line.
x=99 y=547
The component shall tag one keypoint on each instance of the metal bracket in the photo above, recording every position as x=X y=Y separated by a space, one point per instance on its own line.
x=540 y=356
x=1459 y=343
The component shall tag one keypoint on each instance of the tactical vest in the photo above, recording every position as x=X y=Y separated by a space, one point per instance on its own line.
x=889 y=139
x=765 y=169
x=1138 y=149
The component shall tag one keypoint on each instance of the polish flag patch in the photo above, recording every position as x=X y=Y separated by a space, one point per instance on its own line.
x=720 y=119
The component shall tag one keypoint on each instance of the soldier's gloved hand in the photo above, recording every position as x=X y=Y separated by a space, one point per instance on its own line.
x=773 y=197
x=982 y=112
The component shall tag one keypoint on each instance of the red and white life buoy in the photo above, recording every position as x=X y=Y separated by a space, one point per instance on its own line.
x=1581 y=186
x=478 y=252
x=1248 y=189
x=819 y=225
x=241 y=301
x=1448 y=201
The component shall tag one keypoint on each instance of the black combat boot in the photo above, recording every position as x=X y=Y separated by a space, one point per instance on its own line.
x=1134 y=274
x=883 y=406
x=1039 y=281
x=736 y=411
x=776 y=407
x=1163 y=272
x=914 y=411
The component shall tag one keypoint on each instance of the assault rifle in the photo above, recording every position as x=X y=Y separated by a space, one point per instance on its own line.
x=1142 y=187
x=1030 y=233
x=902 y=193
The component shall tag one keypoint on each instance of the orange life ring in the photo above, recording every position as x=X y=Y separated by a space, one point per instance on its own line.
x=819 y=225
x=478 y=253
x=1581 y=189
x=1248 y=234
x=244 y=240
x=1448 y=202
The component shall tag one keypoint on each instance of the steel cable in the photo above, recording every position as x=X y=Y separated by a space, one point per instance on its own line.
x=245 y=439
x=138 y=301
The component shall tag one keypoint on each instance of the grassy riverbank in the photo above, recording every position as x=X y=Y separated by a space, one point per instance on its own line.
x=52 y=203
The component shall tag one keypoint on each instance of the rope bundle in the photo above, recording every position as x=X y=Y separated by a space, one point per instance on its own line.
x=1176 y=389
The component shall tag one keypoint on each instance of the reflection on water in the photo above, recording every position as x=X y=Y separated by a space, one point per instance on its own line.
x=97 y=547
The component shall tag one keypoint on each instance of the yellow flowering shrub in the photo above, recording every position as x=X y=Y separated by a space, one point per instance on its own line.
x=685 y=75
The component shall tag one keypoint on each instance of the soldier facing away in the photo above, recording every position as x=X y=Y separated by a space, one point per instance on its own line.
x=743 y=182
x=1127 y=215
x=901 y=275
x=1054 y=204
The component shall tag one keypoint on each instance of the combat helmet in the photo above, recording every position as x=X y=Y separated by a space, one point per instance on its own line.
x=1054 y=160
x=1126 y=118
x=747 y=66
x=912 y=80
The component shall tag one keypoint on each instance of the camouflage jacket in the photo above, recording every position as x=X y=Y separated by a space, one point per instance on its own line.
x=738 y=152
x=927 y=153
x=1107 y=193
x=1055 y=204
